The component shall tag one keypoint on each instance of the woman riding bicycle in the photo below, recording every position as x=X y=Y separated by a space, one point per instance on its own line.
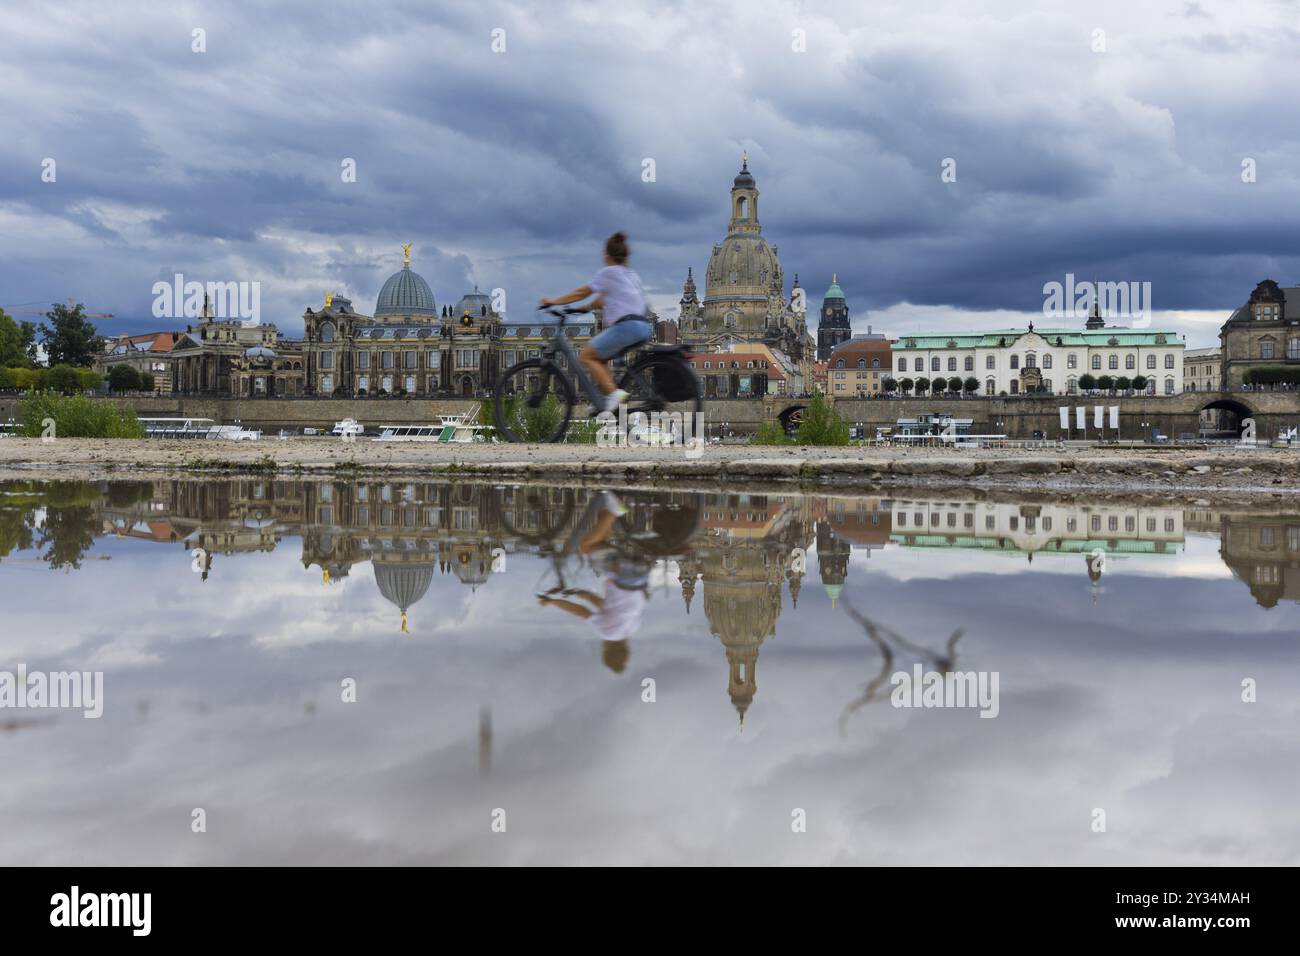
x=618 y=294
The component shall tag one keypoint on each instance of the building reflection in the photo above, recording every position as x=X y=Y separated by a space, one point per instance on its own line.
x=737 y=557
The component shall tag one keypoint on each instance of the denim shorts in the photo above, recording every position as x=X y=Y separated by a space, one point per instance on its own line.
x=619 y=336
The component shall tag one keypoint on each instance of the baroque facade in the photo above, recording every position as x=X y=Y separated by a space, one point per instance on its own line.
x=407 y=347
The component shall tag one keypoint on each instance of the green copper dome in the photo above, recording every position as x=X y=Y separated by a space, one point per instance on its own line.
x=834 y=292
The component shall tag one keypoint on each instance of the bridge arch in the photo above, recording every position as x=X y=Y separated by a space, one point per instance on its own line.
x=1224 y=414
x=791 y=417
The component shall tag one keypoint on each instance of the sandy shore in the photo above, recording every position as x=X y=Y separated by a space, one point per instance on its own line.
x=1268 y=471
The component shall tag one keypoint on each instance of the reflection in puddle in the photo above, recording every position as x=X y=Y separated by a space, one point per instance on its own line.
x=586 y=658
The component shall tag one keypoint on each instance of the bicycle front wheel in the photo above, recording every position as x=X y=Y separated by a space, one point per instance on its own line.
x=533 y=402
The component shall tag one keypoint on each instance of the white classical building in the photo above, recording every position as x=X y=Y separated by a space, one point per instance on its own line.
x=1046 y=361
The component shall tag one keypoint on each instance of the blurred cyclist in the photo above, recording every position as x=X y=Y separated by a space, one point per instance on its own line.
x=621 y=299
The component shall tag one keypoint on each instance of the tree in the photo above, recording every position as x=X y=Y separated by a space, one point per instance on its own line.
x=147 y=381
x=889 y=385
x=938 y=386
x=70 y=339
x=954 y=385
x=907 y=385
x=17 y=342
x=1139 y=383
x=1123 y=383
x=1087 y=382
x=1105 y=383
x=971 y=385
x=123 y=378
x=922 y=385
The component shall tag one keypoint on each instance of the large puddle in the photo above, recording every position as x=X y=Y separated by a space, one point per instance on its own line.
x=379 y=672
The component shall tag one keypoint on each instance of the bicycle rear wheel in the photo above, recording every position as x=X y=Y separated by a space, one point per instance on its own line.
x=533 y=402
x=655 y=381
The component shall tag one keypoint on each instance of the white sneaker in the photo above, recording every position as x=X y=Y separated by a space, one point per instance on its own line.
x=612 y=504
x=615 y=399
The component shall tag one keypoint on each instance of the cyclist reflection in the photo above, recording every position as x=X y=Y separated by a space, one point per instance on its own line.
x=615 y=614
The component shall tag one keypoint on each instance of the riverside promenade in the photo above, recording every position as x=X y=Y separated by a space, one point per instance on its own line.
x=727 y=465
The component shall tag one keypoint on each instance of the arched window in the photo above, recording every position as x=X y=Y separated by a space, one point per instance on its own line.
x=742 y=208
x=1169 y=385
x=1096 y=362
x=1072 y=360
x=1169 y=361
x=919 y=364
x=1047 y=361
x=902 y=365
x=1071 y=385
x=934 y=364
x=839 y=363
x=1293 y=348
x=1112 y=361
x=1031 y=360
x=969 y=363
x=990 y=387
x=862 y=363
x=1015 y=361
x=1130 y=361
x=990 y=361
x=327 y=333
x=952 y=363
x=875 y=363
x=1151 y=361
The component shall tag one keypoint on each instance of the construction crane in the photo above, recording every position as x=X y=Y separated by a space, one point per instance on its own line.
x=71 y=305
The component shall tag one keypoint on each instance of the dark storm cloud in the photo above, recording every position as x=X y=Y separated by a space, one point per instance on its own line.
x=507 y=169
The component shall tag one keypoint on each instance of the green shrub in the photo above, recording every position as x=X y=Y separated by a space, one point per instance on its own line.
x=76 y=416
x=821 y=425
x=770 y=433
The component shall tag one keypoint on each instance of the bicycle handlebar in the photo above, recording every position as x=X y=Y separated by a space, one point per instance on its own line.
x=560 y=314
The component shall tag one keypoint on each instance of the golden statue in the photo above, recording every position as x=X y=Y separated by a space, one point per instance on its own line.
x=329 y=298
x=406 y=253
x=744 y=157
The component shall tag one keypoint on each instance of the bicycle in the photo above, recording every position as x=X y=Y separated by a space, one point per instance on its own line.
x=533 y=399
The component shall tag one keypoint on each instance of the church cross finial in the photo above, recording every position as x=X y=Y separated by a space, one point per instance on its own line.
x=744 y=159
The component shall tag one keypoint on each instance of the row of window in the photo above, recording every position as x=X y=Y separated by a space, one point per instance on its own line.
x=875 y=363
x=1031 y=361
x=1032 y=524
x=735 y=363
x=385 y=382
x=1266 y=350
x=408 y=359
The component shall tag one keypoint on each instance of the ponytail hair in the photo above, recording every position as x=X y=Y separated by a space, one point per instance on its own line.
x=616 y=248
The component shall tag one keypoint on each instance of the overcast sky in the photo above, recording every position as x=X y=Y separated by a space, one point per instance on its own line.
x=507 y=169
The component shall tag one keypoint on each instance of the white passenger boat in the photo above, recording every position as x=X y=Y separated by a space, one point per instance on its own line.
x=451 y=429
x=197 y=428
x=349 y=427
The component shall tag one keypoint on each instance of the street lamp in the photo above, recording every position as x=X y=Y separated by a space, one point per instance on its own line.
x=1146 y=437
